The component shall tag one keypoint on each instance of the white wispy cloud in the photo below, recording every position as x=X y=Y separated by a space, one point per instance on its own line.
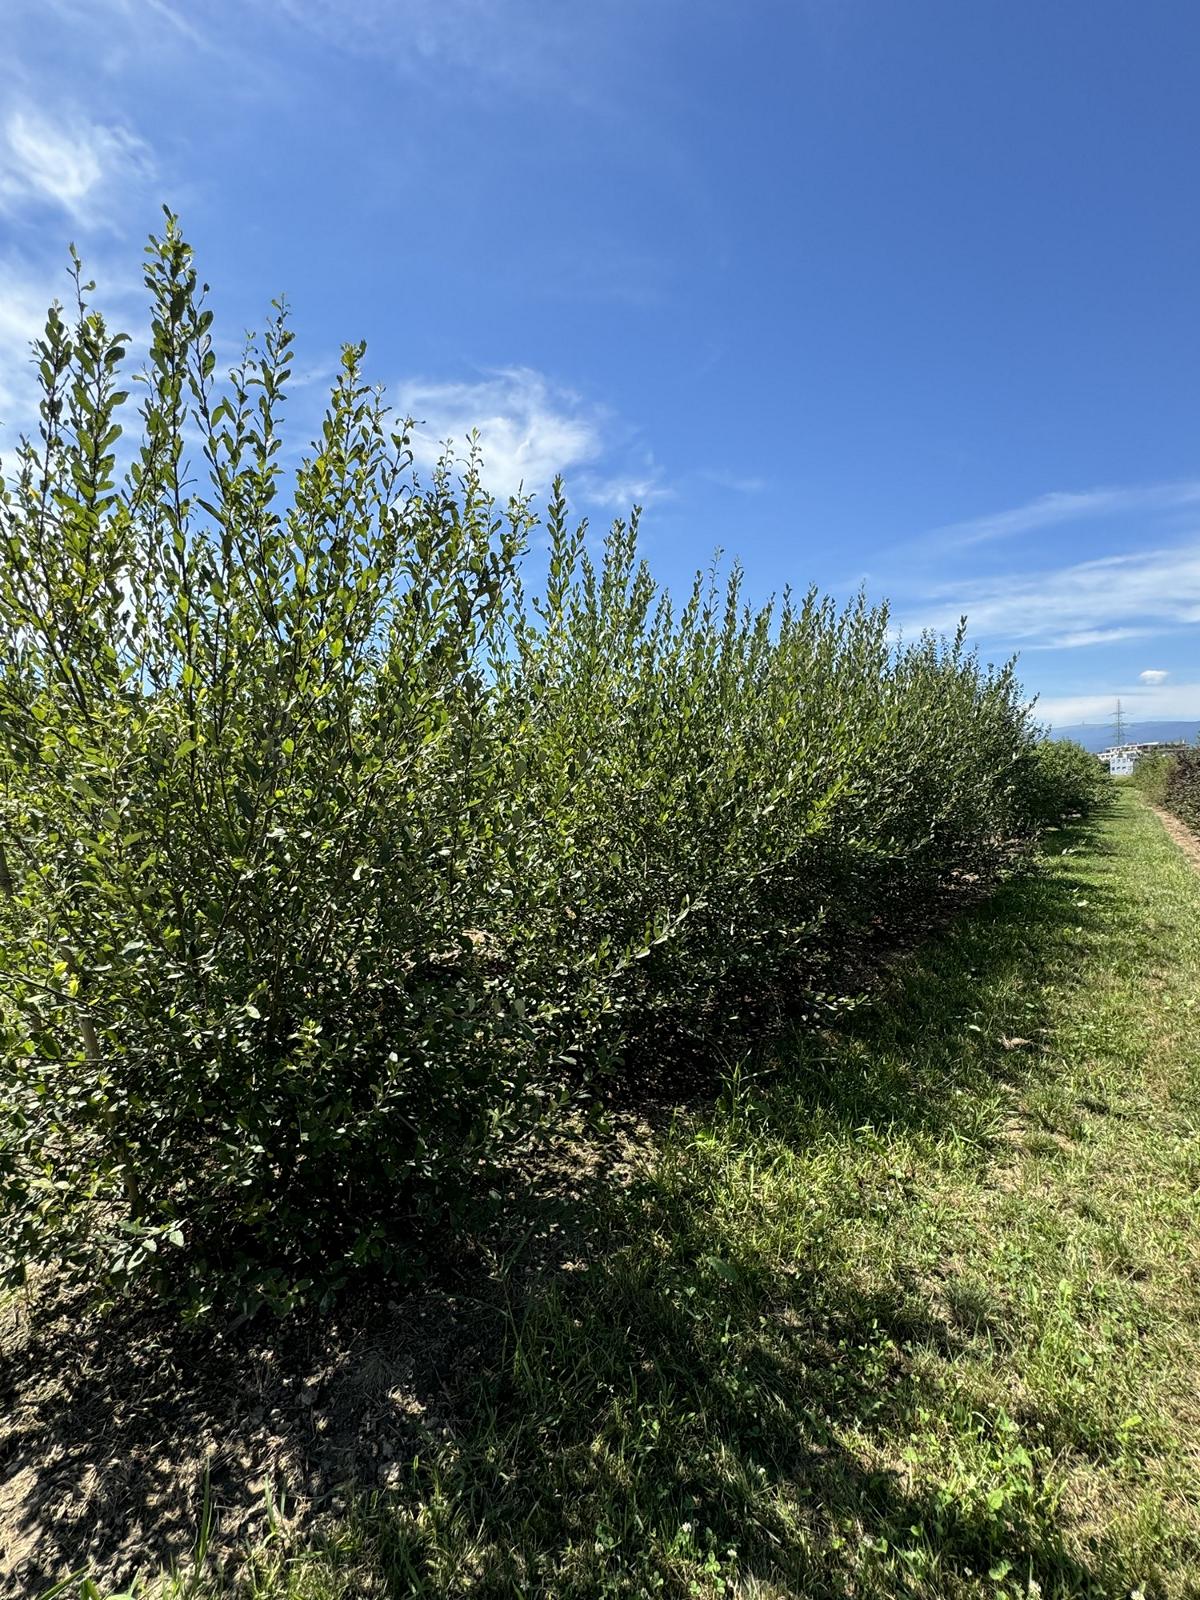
x=1082 y=637
x=175 y=18
x=1089 y=602
x=623 y=491
x=735 y=482
x=24 y=296
x=100 y=18
x=529 y=429
x=520 y=42
x=28 y=285
x=1153 y=676
x=1139 y=703
x=1050 y=510
x=66 y=161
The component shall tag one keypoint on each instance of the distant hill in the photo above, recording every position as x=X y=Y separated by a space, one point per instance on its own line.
x=1099 y=735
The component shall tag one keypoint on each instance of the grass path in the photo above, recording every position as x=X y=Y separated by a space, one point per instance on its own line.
x=915 y=1311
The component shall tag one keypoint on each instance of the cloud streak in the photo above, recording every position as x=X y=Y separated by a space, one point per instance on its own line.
x=1052 y=510
x=518 y=43
x=1139 y=703
x=1090 y=602
x=27 y=288
x=69 y=163
x=529 y=429
x=622 y=492
x=24 y=297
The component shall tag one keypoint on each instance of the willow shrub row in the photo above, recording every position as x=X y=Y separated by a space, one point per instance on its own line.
x=1173 y=781
x=1063 y=781
x=334 y=862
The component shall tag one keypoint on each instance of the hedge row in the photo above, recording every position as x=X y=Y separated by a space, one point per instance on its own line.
x=1173 y=781
x=333 y=862
x=1064 y=781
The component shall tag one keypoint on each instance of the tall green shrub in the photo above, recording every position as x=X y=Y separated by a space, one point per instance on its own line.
x=1060 y=780
x=333 y=860
x=1183 y=787
x=1151 y=774
x=1172 y=780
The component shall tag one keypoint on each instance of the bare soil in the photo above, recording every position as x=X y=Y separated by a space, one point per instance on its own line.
x=111 y=1431
x=115 y=1428
x=1182 y=835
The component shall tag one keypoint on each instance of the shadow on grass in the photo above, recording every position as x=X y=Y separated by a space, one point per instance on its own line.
x=697 y=1404
x=642 y=1399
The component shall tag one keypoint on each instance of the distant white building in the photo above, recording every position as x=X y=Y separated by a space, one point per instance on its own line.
x=1120 y=759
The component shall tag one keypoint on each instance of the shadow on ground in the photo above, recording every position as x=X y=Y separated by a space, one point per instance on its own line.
x=610 y=1400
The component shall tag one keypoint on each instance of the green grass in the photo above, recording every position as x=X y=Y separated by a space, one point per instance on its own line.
x=914 y=1311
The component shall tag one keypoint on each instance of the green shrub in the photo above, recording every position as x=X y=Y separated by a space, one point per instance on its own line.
x=1183 y=787
x=1172 y=780
x=1151 y=774
x=333 y=861
x=1059 y=779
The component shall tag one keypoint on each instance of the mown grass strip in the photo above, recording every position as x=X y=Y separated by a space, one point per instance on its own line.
x=914 y=1311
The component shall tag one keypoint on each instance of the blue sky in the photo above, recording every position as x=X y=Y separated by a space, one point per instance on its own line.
x=894 y=292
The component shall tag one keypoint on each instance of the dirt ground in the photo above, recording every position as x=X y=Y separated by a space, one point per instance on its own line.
x=1182 y=835
x=109 y=1434
x=113 y=1429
